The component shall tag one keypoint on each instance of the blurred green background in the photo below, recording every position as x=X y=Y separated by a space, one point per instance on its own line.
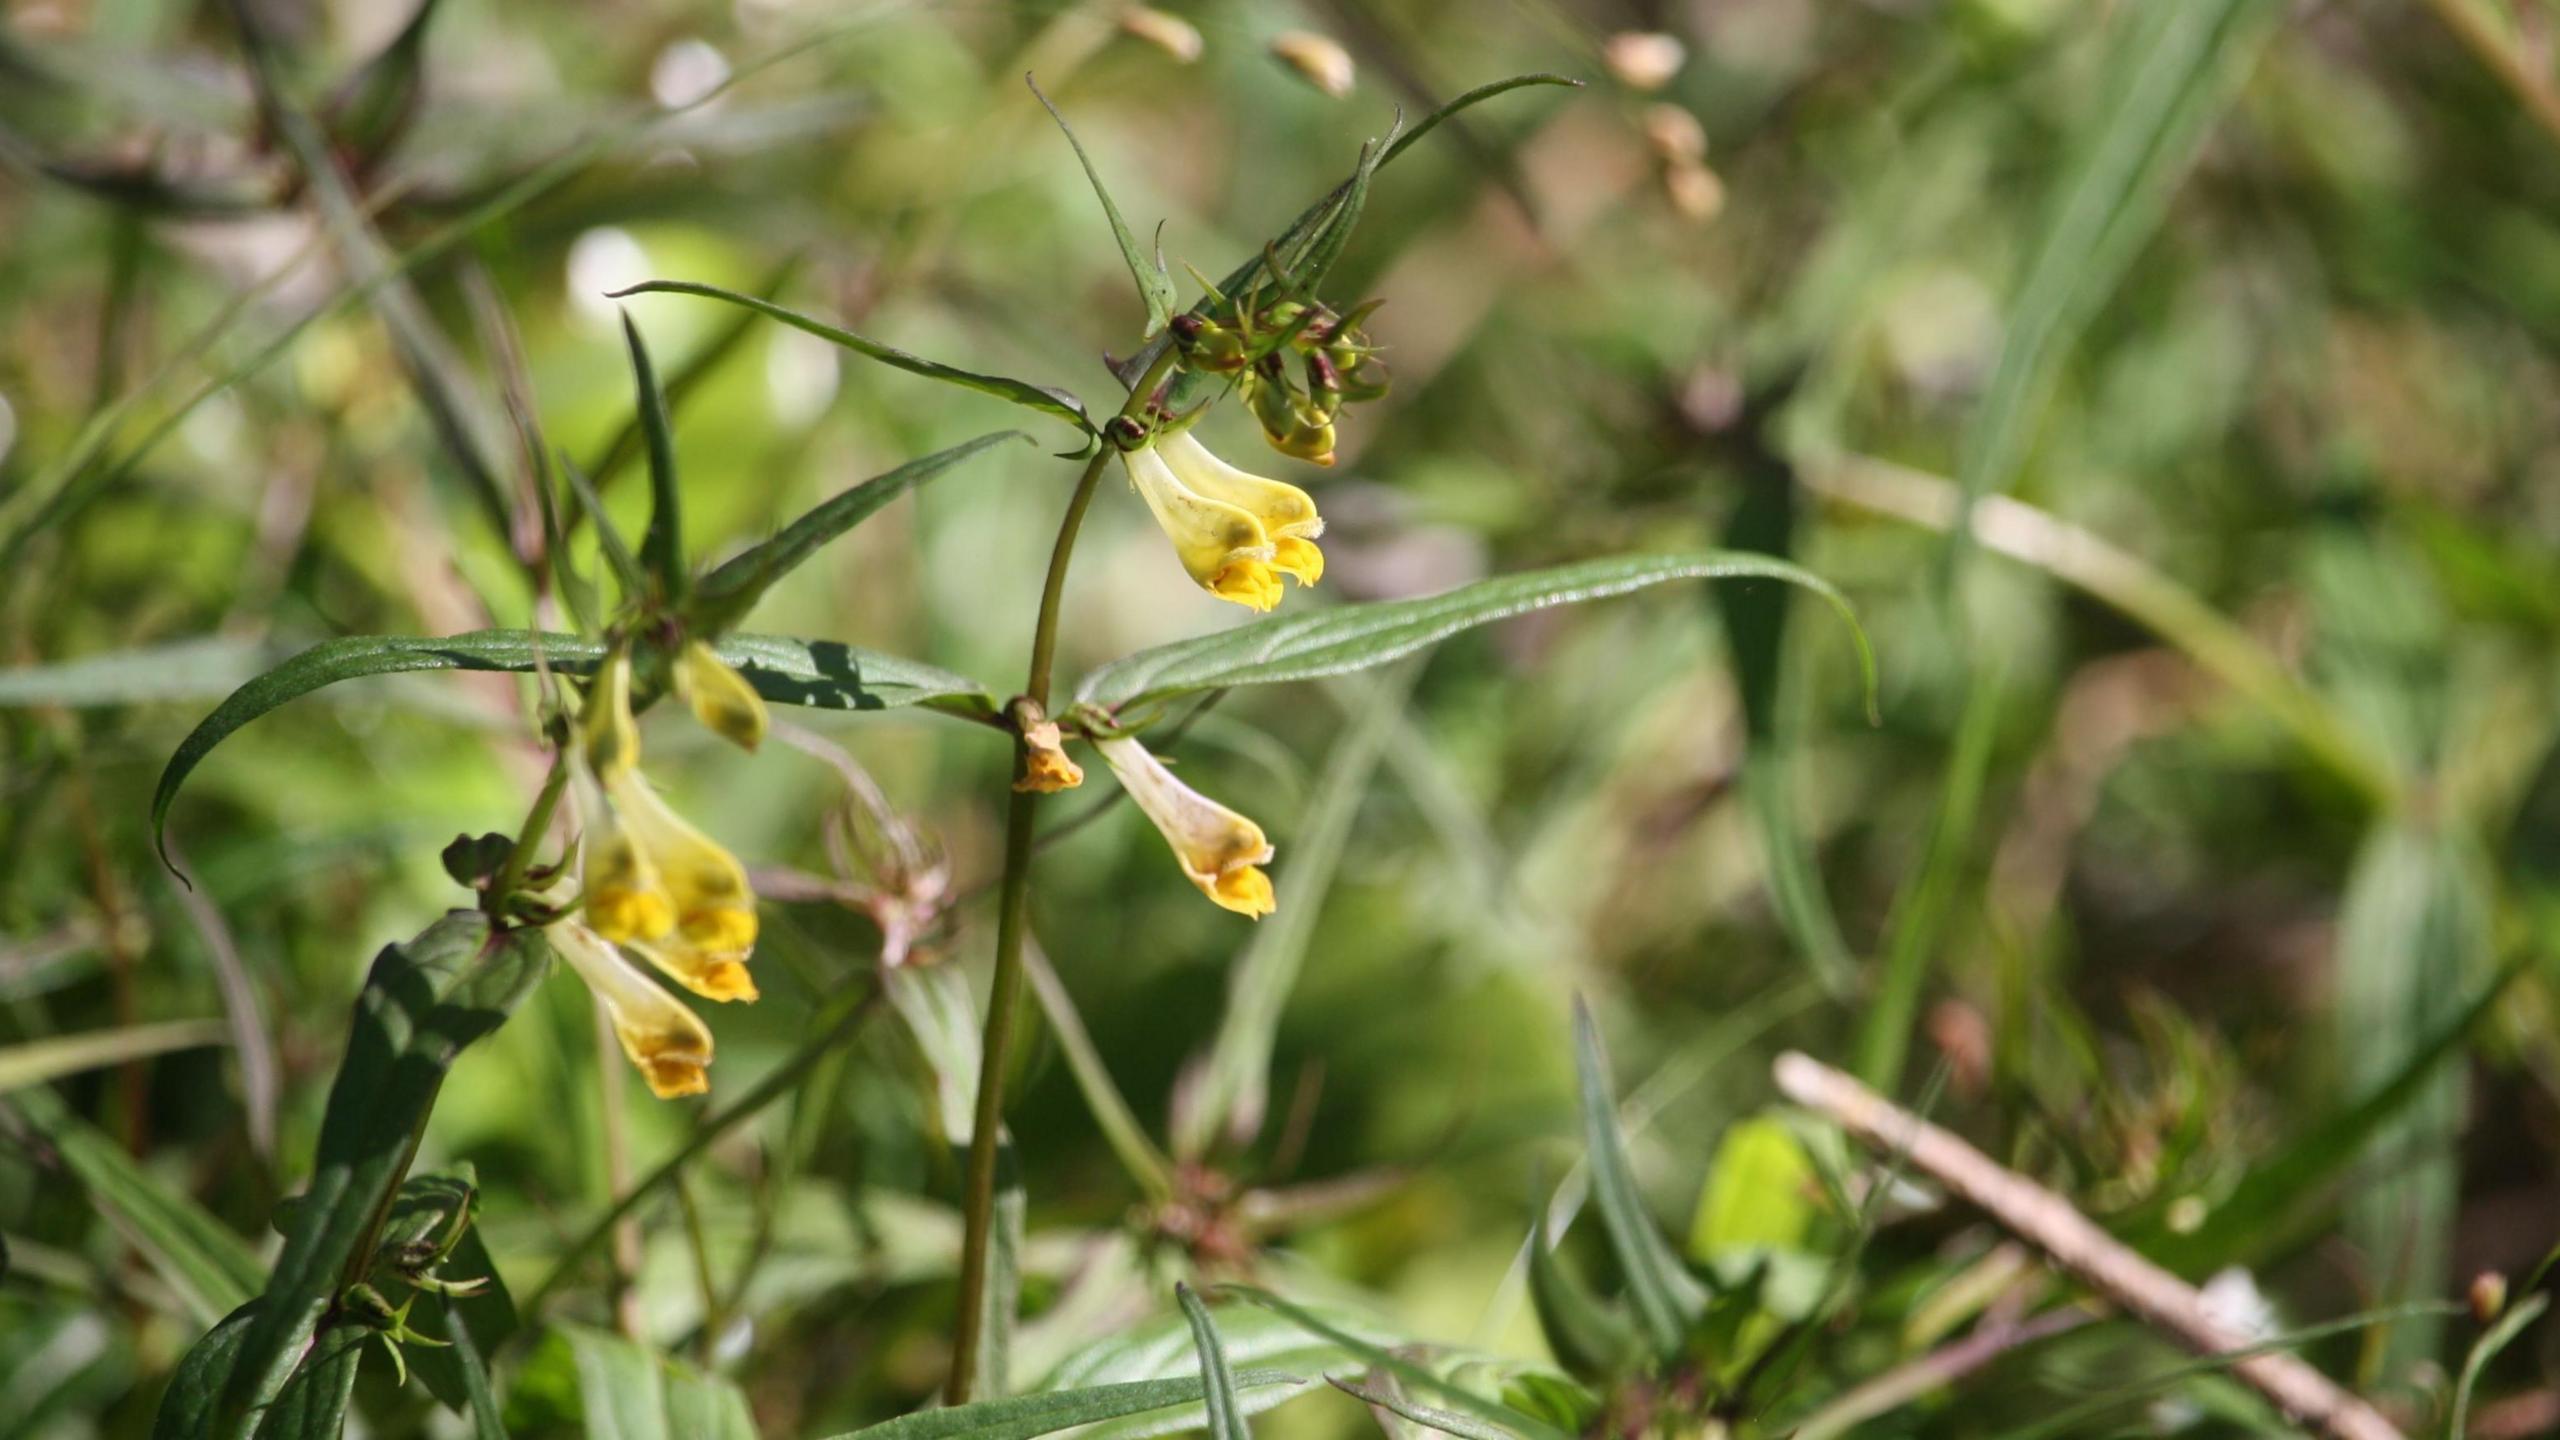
x=2217 y=777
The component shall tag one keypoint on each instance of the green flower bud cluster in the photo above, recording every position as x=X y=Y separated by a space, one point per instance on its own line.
x=1296 y=363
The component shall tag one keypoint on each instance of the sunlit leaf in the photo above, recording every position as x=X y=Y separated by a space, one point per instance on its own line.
x=1024 y=1416
x=1218 y=1383
x=1045 y=399
x=33 y=1062
x=727 y=593
x=1316 y=642
x=1155 y=288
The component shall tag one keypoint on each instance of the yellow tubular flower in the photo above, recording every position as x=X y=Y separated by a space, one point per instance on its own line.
x=1222 y=545
x=667 y=1042
x=1220 y=850
x=720 y=697
x=1287 y=513
x=713 y=910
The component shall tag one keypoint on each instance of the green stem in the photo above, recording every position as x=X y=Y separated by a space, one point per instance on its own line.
x=832 y=1032
x=537 y=823
x=1004 y=997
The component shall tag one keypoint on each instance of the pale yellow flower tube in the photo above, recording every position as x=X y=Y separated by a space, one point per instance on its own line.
x=667 y=1042
x=1221 y=545
x=1221 y=851
x=713 y=929
x=1287 y=514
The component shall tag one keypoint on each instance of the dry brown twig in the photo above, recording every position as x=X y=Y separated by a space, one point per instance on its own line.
x=2075 y=1245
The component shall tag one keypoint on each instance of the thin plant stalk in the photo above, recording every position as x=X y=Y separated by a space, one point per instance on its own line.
x=1004 y=997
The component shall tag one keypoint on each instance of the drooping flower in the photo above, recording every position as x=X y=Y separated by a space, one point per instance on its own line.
x=1221 y=851
x=1287 y=514
x=651 y=880
x=1221 y=545
x=1046 y=766
x=667 y=1042
x=709 y=928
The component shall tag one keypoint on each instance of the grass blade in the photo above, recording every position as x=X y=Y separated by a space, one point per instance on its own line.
x=1667 y=1299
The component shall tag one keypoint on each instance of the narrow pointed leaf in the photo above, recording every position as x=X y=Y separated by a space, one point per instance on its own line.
x=662 y=544
x=186 y=1407
x=1378 y=1357
x=1666 y=1298
x=36 y=1061
x=820 y=674
x=1317 y=642
x=697 y=367
x=207 y=1263
x=1218 y=1384
x=727 y=593
x=1588 y=1337
x=1382 y=1392
x=1025 y=1416
x=422 y=1004
x=1045 y=399
x=1155 y=288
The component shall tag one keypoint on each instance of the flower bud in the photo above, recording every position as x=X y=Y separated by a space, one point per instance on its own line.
x=1208 y=345
x=719 y=696
x=1319 y=60
x=1694 y=192
x=2488 y=1296
x=1643 y=60
x=1171 y=34
x=1675 y=135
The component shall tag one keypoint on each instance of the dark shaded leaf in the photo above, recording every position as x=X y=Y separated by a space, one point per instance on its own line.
x=820 y=674
x=186 y=1407
x=662 y=544
x=422 y=1004
x=1667 y=1299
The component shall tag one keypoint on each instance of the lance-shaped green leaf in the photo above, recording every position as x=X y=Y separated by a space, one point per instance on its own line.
x=313 y=1405
x=1218 y=1383
x=691 y=374
x=371 y=109
x=207 y=1263
x=1024 y=1416
x=819 y=674
x=1154 y=286
x=662 y=544
x=2168 y=77
x=436 y=1210
x=1392 y=1362
x=1048 y=400
x=422 y=1004
x=1667 y=1299
x=186 y=1407
x=727 y=593
x=37 y=1061
x=1382 y=1392
x=1588 y=1337
x=632 y=1393
x=1315 y=642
